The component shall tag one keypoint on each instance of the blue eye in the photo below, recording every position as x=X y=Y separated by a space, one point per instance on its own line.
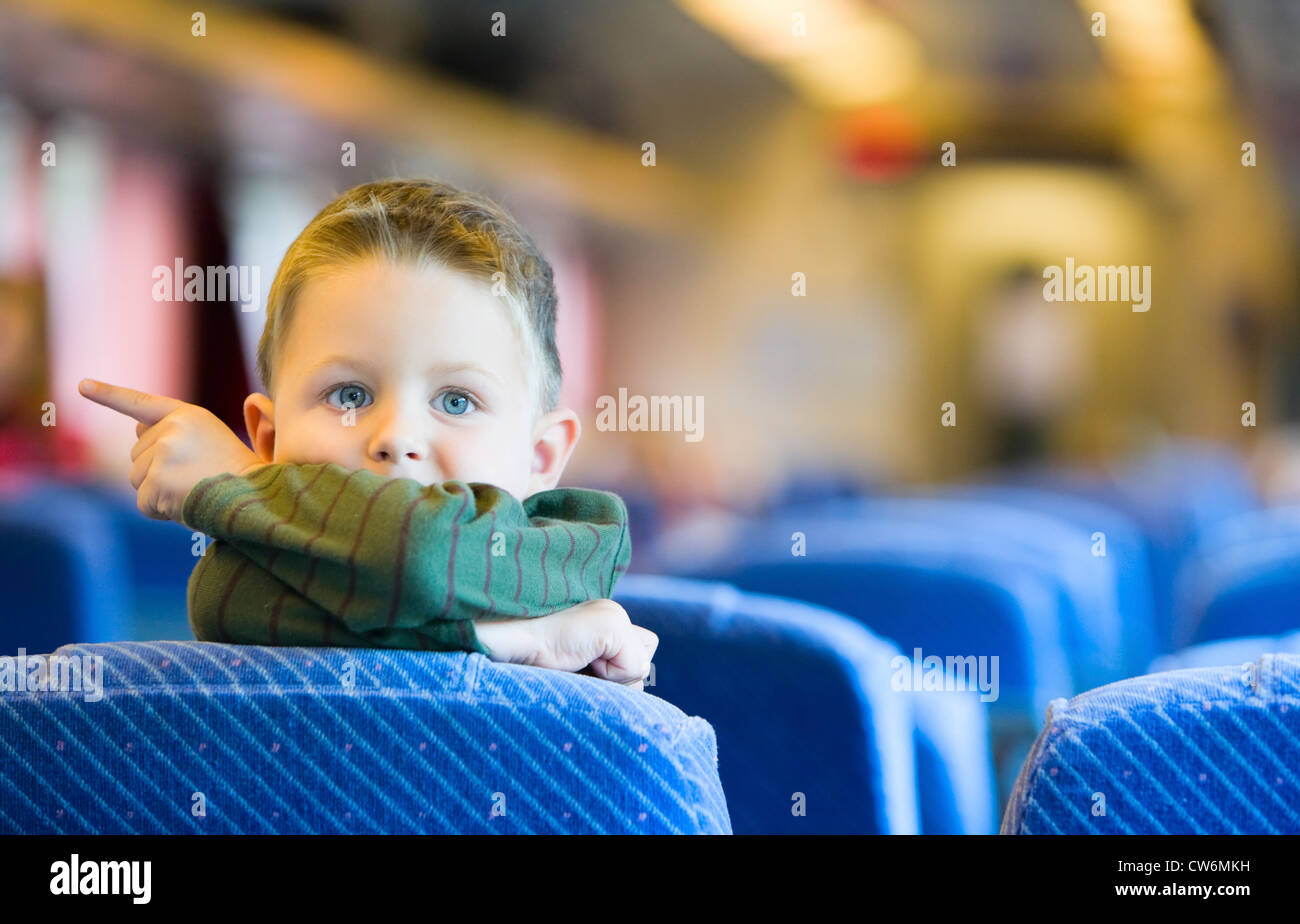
x=353 y=395
x=456 y=402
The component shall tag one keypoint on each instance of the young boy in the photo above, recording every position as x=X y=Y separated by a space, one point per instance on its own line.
x=412 y=385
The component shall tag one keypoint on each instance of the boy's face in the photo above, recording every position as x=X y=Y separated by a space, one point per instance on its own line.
x=436 y=375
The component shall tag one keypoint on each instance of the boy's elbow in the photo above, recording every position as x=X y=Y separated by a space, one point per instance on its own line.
x=202 y=610
x=209 y=585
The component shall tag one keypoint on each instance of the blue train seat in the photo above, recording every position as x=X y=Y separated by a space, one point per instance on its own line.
x=1208 y=750
x=1242 y=578
x=1228 y=652
x=196 y=737
x=63 y=569
x=1111 y=534
x=978 y=530
x=812 y=738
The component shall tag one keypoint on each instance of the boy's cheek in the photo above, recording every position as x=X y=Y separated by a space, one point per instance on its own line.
x=308 y=448
x=500 y=465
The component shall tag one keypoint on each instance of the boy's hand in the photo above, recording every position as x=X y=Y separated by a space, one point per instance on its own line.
x=178 y=446
x=597 y=635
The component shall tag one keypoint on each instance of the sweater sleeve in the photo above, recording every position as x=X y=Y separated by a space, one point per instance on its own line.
x=233 y=600
x=356 y=558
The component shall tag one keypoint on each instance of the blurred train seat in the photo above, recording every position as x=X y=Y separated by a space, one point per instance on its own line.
x=1176 y=494
x=810 y=738
x=1207 y=750
x=63 y=569
x=1228 y=652
x=1111 y=534
x=921 y=586
x=1089 y=586
x=161 y=555
x=955 y=773
x=1189 y=486
x=196 y=737
x=151 y=559
x=818 y=485
x=1241 y=579
x=802 y=702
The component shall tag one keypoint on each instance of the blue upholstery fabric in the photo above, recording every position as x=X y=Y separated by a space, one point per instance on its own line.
x=920 y=584
x=63 y=571
x=923 y=584
x=1188 y=486
x=1242 y=579
x=954 y=763
x=278 y=740
x=160 y=556
x=155 y=557
x=981 y=530
x=1175 y=494
x=1279 y=524
x=817 y=485
x=1228 y=652
x=801 y=702
x=1126 y=546
x=1197 y=751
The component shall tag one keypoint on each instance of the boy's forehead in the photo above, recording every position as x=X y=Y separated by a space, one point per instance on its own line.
x=397 y=316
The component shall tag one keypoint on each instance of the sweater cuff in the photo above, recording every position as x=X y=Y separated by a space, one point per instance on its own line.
x=472 y=643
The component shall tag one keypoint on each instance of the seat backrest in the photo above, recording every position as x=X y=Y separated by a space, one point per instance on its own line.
x=1196 y=751
x=950 y=589
x=1175 y=493
x=160 y=556
x=1242 y=579
x=1231 y=651
x=801 y=701
x=984 y=529
x=954 y=763
x=196 y=737
x=63 y=571
x=918 y=586
x=817 y=485
x=1109 y=534
x=1187 y=486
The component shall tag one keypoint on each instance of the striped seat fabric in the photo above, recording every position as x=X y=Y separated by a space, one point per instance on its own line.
x=192 y=737
x=1209 y=750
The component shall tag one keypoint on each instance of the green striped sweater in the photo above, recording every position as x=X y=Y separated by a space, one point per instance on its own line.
x=317 y=554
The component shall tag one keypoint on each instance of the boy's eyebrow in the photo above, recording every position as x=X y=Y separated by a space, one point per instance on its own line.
x=448 y=368
x=338 y=359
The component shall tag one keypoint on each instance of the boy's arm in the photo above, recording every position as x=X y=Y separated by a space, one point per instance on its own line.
x=232 y=599
x=393 y=562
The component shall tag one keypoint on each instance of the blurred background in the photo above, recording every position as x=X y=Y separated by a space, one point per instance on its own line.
x=919 y=162
x=775 y=154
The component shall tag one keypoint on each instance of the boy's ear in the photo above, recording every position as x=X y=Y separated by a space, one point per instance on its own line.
x=259 y=421
x=554 y=438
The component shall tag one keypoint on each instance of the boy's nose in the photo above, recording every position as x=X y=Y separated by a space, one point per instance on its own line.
x=396 y=448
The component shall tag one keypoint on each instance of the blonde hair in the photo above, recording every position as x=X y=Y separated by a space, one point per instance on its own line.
x=424 y=222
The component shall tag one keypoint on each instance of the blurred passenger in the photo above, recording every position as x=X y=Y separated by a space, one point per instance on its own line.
x=32 y=441
x=1030 y=358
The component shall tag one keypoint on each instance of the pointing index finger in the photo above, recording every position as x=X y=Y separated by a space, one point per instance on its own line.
x=144 y=407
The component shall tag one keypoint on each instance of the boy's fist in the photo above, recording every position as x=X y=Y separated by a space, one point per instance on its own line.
x=178 y=446
x=596 y=636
